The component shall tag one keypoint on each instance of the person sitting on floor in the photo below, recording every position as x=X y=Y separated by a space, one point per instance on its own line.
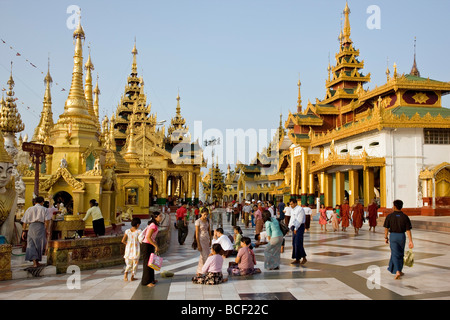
x=245 y=260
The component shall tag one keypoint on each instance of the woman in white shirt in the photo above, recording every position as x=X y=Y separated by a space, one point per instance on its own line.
x=98 y=223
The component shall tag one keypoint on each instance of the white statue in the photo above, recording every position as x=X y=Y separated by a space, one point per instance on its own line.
x=8 y=196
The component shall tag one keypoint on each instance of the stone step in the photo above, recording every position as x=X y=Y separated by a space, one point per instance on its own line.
x=18 y=266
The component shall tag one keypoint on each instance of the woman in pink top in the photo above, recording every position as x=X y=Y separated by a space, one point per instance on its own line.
x=212 y=269
x=258 y=219
x=149 y=246
x=245 y=260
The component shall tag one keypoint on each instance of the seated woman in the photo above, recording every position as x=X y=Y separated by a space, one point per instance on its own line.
x=245 y=260
x=212 y=269
x=237 y=238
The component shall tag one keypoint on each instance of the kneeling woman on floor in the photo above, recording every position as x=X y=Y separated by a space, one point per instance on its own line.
x=212 y=269
x=245 y=260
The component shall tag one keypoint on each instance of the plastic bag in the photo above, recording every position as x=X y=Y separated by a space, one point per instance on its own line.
x=409 y=258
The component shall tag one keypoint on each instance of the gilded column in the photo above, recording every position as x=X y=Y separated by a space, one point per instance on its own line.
x=190 y=185
x=293 y=175
x=322 y=178
x=163 y=195
x=304 y=174
x=328 y=196
x=340 y=187
x=311 y=189
x=368 y=186
x=353 y=186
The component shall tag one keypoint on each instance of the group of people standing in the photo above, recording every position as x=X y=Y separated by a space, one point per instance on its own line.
x=344 y=215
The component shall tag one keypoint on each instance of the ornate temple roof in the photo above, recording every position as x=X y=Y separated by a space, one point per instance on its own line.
x=42 y=131
x=10 y=120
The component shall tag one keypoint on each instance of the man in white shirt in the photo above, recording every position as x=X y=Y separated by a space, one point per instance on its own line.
x=297 y=225
x=224 y=241
x=37 y=219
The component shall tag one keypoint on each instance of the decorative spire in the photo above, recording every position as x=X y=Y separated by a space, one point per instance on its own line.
x=414 y=69
x=10 y=120
x=42 y=131
x=76 y=107
x=88 y=85
x=388 y=72
x=96 y=105
x=299 y=100
x=347 y=29
x=134 y=65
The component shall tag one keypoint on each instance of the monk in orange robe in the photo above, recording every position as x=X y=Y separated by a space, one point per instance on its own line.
x=345 y=215
x=358 y=216
x=373 y=207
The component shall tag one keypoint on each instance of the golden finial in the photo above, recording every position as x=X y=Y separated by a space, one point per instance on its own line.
x=414 y=69
x=388 y=72
x=347 y=29
x=134 y=65
x=299 y=100
x=79 y=32
x=395 y=70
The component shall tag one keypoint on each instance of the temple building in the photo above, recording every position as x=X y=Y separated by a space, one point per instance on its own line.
x=391 y=142
x=126 y=162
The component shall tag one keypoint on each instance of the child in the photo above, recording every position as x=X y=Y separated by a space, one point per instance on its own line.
x=132 y=249
x=335 y=219
x=237 y=238
x=212 y=269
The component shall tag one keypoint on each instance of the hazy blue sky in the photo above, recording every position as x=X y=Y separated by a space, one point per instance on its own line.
x=235 y=63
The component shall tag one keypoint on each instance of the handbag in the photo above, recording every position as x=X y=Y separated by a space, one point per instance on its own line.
x=155 y=262
x=283 y=227
x=409 y=258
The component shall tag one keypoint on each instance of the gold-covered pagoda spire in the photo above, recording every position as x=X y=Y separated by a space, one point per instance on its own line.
x=76 y=109
x=178 y=129
x=134 y=100
x=414 y=69
x=88 y=93
x=42 y=131
x=96 y=105
x=299 y=99
x=10 y=120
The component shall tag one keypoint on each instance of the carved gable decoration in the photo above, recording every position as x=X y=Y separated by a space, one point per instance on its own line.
x=66 y=175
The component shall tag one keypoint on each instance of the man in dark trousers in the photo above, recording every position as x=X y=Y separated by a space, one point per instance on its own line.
x=182 y=223
x=397 y=224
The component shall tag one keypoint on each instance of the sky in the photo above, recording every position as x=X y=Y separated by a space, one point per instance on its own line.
x=235 y=63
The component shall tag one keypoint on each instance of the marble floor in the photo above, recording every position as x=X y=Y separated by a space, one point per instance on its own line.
x=341 y=266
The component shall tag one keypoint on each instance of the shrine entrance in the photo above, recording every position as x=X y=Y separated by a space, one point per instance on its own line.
x=64 y=198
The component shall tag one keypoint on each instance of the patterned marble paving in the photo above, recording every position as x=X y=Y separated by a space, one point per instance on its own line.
x=341 y=266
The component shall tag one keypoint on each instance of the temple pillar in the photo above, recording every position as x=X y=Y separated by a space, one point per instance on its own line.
x=311 y=189
x=368 y=179
x=383 y=187
x=304 y=174
x=340 y=187
x=322 y=188
x=163 y=195
x=293 y=174
x=328 y=192
x=353 y=186
x=106 y=207
x=78 y=201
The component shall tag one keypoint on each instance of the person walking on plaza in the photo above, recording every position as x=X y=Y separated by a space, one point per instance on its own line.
x=203 y=238
x=98 y=223
x=259 y=223
x=297 y=225
x=182 y=223
x=357 y=216
x=373 y=215
x=308 y=213
x=335 y=220
x=323 y=219
x=37 y=219
x=345 y=215
x=247 y=211
x=280 y=209
x=272 y=251
x=396 y=225
x=149 y=246
x=132 y=248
